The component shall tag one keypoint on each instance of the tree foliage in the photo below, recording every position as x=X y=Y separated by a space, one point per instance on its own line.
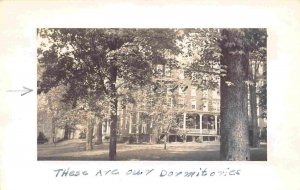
x=100 y=69
x=213 y=52
x=81 y=58
x=100 y=62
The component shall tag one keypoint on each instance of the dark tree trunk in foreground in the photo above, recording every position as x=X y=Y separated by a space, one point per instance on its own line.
x=67 y=133
x=113 y=116
x=53 y=133
x=89 y=134
x=234 y=98
x=99 y=133
x=253 y=110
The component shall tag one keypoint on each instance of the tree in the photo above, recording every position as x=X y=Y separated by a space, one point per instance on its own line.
x=225 y=54
x=163 y=108
x=262 y=94
x=258 y=52
x=234 y=96
x=94 y=108
x=203 y=57
x=51 y=113
x=100 y=110
x=253 y=123
x=100 y=62
x=61 y=114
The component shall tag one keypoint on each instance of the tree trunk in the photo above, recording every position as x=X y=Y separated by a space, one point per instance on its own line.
x=138 y=127
x=234 y=98
x=155 y=129
x=66 y=135
x=89 y=134
x=99 y=133
x=165 y=141
x=253 y=118
x=113 y=112
x=53 y=133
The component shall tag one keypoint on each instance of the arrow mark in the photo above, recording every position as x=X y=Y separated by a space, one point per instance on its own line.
x=25 y=90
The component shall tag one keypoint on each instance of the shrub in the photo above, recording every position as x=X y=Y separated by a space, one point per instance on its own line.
x=41 y=138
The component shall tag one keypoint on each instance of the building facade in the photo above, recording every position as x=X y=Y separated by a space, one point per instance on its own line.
x=175 y=109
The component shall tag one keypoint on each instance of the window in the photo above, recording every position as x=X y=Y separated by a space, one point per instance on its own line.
x=205 y=94
x=205 y=79
x=193 y=104
x=181 y=92
x=194 y=76
x=144 y=128
x=181 y=101
x=215 y=105
x=167 y=71
x=159 y=70
x=216 y=94
x=205 y=106
x=193 y=91
x=169 y=88
x=181 y=74
x=151 y=102
x=169 y=102
x=218 y=105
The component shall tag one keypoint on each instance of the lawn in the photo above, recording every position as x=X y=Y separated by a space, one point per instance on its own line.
x=75 y=150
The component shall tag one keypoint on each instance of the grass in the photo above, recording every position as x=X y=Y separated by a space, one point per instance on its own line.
x=75 y=150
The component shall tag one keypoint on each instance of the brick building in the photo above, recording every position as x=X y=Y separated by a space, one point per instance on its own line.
x=191 y=114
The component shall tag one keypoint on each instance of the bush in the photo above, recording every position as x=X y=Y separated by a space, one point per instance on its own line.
x=42 y=138
x=82 y=135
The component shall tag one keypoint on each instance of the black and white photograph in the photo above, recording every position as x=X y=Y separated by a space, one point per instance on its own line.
x=152 y=94
x=147 y=94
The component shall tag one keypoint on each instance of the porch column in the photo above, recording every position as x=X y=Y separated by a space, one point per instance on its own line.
x=151 y=124
x=125 y=122
x=121 y=121
x=184 y=127
x=184 y=121
x=195 y=122
x=130 y=123
x=137 y=123
x=107 y=127
x=216 y=124
x=200 y=122
x=102 y=127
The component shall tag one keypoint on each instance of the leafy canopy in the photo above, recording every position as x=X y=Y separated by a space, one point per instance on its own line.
x=82 y=59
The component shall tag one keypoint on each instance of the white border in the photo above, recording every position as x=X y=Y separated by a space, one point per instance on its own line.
x=18 y=22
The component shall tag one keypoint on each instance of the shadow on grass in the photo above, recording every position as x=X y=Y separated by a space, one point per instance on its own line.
x=74 y=150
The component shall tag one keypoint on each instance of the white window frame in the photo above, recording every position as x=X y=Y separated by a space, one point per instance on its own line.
x=194 y=76
x=194 y=104
x=218 y=106
x=205 y=105
x=169 y=88
x=167 y=71
x=193 y=91
x=181 y=74
x=170 y=101
x=205 y=93
x=160 y=69
x=181 y=92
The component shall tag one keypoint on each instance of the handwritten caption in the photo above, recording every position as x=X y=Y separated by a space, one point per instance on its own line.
x=162 y=173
